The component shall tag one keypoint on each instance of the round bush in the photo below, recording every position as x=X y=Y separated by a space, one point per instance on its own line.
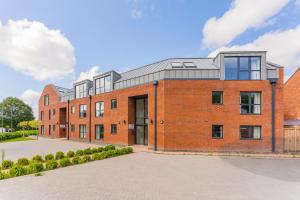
x=94 y=150
x=64 y=162
x=51 y=164
x=59 y=155
x=100 y=149
x=49 y=157
x=23 y=161
x=37 y=158
x=17 y=170
x=3 y=175
x=85 y=159
x=35 y=167
x=6 y=164
x=70 y=154
x=109 y=147
x=87 y=151
x=79 y=153
x=76 y=160
x=97 y=156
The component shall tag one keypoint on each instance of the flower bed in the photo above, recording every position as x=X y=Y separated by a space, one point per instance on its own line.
x=24 y=166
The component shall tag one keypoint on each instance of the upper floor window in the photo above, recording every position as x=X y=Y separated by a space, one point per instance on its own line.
x=42 y=115
x=217 y=97
x=82 y=111
x=46 y=100
x=103 y=84
x=53 y=111
x=114 y=103
x=49 y=114
x=81 y=90
x=73 y=109
x=113 y=129
x=250 y=102
x=250 y=132
x=242 y=68
x=99 y=109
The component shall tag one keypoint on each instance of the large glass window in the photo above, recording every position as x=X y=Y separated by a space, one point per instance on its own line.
x=82 y=131
x=82 y=111
x=217 y=131
x=250 y=102
x=242 y=68
x=81 y=90
x=217 y=97
x=46 y=100
x=103 y=84
x=99 y=132
x=99 y=109
x=250 y=132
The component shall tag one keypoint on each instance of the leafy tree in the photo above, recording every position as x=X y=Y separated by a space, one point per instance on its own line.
x=26 y=125
x=17 y=109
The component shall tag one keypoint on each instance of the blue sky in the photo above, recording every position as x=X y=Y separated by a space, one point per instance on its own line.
x=76 y=39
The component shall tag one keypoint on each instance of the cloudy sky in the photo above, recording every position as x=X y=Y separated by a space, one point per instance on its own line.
x=61 y=41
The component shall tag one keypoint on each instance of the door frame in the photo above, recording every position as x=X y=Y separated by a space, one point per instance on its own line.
x=144 y=97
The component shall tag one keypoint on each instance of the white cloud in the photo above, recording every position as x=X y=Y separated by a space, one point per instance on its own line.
x=33 y=49
x=283 y=47
x=242 y=15
x=31 y=97
x=93 y=71
x=136 y=13
x=297 y=3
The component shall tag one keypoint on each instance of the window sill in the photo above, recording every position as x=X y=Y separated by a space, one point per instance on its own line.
x=250 y=139
x=217 y=138
x=249 y=114
x=218 y=104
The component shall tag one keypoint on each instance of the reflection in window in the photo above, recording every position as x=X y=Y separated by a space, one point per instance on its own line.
x=242 y=68
x=81 y=90
x=250 y=102
x=103 y=84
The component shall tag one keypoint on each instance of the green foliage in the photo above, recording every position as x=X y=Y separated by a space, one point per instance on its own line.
x=17 y=170
x=76 y=160
x=38 y=174
x=17 y=134
x=79 y=153
x=35 y=167
x=87 y=151
x=49 y=157
x=23 y=161
x=28 y=125
x=3 y=175
x=100 y=149
x=109 y=147
x=97 y=156
x=59 y=155
x=19 y=110
x=94 y=150
x=6 y=164
x=70 y=154
x=37 y=158
x=64 y=162
x=51 y=164
x=85 y=159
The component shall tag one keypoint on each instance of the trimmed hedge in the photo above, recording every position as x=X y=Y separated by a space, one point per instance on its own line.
x=17 y=134
x=37 y=164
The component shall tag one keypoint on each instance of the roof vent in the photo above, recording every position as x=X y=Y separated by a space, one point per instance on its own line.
x=177 y=65
x=189 y=65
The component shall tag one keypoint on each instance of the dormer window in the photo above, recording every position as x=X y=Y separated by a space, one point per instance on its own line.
x=103 y=84
x=81 y=90
x=242 y=68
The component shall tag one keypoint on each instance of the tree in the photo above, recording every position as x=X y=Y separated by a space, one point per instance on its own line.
x=15 y=110
x=28 y=125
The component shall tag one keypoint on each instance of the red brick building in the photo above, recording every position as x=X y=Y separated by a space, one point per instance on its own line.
x=233 y=102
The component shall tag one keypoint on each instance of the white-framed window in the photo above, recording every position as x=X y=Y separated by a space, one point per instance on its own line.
x=103 y=84
x=81 y=90
x=82 y=131
x=99 y=109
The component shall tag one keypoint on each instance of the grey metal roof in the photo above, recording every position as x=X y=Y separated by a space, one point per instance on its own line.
x=200 y=63
x=62 y=91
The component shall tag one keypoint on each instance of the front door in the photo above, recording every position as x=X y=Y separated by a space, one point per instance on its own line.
x=141 y=121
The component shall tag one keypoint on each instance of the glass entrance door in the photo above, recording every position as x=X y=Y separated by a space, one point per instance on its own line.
x=141 y=121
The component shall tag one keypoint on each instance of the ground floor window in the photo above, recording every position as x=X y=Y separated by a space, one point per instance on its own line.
x=72 y=127
x=49 y=129
x=43 y=130
x=99 y=132
x=53 y=128
x=113 y=129
x=217 y=131
x=250 y=132
x=82 y=131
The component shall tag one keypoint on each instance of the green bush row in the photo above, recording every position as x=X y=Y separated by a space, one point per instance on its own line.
x=23 y=166
x=17 y=134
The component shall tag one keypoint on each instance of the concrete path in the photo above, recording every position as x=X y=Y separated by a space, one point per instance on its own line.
x=148 y=176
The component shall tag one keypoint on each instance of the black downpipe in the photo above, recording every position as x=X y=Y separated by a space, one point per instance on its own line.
x=273 y=83
x=155 y=83
x=68 y=120
x=90 y=118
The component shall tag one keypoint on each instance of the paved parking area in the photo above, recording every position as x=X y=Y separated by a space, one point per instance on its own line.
x=148 y=176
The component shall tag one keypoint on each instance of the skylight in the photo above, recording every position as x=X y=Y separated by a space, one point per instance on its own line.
x=189 y=65
x=177 y=65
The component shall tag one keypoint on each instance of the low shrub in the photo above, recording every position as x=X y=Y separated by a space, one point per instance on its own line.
x=79 y=153
x=3 y=175
x=70 y=154
x=59 y=155
x=85 y=159
x=64 y=162
x=94 y=150
x=49 y=157
x=126 y=150
x=51 y=164
x=87 y=151
x=100 y=149
x=6 y=164
x=23 y=161
x=17 y=170
x=37 y=158
x=17 y=134
x=76 y=160
x=97 y=156
x=109 y=147
x=35 y=167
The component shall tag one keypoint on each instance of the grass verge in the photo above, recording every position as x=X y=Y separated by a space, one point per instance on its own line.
x=17 y=139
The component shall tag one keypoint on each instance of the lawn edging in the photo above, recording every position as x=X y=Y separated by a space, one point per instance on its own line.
x=24 y=166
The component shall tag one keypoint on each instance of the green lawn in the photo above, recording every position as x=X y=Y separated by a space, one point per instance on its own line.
x=17 y=139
